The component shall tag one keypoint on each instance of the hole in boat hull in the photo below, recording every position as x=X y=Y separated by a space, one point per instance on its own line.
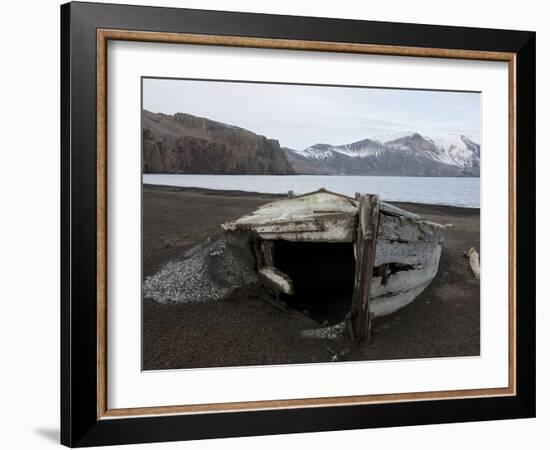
x=323 y=277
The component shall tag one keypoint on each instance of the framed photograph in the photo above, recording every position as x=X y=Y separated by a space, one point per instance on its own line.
x=276 y=224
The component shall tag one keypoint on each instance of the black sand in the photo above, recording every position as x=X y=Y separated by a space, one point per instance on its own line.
x=246 y=330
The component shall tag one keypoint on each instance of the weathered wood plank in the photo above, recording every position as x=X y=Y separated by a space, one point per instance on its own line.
x=330 y=217
x=333 y=229
x=388 y=304
x=387 y=209
x=367 y=229
x=267 y=250
x=258 y=255
x=402 y=228
x=473 y=258
x=289 y=227
x=402 y=281
x=296 y=208
x=276 y=280
x=418 y=253
x=297 y=224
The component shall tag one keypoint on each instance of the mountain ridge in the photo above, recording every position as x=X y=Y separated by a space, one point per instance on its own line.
x=411 y=154
x=184 y=143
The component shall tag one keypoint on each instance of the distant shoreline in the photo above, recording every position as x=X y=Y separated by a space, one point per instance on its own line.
x=305 y=175
x=241 y=193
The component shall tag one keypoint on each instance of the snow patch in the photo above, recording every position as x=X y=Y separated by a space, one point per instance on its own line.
x=451 y=148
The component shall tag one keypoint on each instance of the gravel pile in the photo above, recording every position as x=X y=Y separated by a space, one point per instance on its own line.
x=209 y=271
x=332 y=332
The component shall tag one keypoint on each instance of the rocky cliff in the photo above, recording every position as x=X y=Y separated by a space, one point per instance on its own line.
x=182 y=143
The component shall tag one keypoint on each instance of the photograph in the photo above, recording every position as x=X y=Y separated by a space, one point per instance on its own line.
x=301 y=223
x=272 y=225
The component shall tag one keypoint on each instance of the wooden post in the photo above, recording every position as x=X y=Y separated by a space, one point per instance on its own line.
x=367 y=230
x=267 y=251
x=255 y=242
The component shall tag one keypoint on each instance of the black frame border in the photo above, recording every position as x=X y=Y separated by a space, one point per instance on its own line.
x=79 y=423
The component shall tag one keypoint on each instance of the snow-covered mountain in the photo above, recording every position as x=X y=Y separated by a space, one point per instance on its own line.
x=408 y=153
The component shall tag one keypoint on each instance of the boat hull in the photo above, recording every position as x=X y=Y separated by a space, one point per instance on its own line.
x=408 y=250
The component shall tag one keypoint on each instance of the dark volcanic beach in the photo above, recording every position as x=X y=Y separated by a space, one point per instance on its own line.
x=444 y=321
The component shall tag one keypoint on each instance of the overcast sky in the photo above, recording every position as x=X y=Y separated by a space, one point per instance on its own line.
x=299 y=116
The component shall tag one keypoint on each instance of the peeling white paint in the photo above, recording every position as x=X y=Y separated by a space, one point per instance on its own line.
x=382 y=306
x=278 y=279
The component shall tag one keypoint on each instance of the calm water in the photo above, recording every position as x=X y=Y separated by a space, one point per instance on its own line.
x=442 y=191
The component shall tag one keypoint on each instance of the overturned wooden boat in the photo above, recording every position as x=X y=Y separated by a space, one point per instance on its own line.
x=396 y=252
